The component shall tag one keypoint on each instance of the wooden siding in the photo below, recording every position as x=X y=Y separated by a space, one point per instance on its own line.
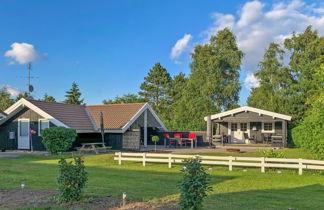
x=139 y=122
x=247 y=117
x=12 y=126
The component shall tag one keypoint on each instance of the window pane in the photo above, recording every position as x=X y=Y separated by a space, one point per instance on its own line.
x=44 y=124
x=268 y=126
x=243 y=126
x=23 y=128
x=234 y=127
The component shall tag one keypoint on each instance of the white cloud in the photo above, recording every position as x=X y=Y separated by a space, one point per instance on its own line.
x=256 y=27
x=14 y=92
x=251 y=81
x=22 y=53
x=180 y=46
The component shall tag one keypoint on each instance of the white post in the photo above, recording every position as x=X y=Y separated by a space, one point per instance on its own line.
x=145 y=128
x=170 y=159
x=119 y=158
x=300 y=169
x=209 y=130
x=144 y=159
x=230 y=163
x=263 y=165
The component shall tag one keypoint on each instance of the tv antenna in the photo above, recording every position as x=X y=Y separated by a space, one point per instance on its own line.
x=30 y=87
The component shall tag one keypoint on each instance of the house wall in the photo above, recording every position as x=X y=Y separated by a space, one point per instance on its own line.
x=247 y=117
x=12 y=126
x=139 y=122
x=131 y=140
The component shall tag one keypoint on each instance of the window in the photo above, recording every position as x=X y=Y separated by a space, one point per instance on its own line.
x=234 y=127
x=42 y=124
x=243 y=126
x=23 y=126
x=267 y=126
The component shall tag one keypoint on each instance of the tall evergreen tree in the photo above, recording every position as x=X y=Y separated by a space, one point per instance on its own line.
x=5 y=99
x=214 y=84
x=156 y=90
x=24 y=95
x=274 y=79
x=73 y=96
x=48 y=98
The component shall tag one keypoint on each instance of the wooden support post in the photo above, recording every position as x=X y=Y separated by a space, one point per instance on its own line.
x=263 y=165
x=145 y=128
x=209 y=130
x=119 y=158
x=170 y=160
x=230 y=163
x=300 y=169
x=144 y=159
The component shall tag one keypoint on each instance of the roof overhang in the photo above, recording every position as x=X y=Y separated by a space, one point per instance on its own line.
x=249 y=109
x=23 y=103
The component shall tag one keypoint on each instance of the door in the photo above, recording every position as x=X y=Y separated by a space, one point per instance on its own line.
x=23 y=134
x=236 y=133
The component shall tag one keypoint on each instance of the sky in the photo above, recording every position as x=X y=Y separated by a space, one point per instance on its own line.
x=108 y=47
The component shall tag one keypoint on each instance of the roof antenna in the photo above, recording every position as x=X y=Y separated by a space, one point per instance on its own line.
x=29 y=77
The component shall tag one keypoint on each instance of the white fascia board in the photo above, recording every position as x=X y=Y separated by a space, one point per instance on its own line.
x=251 y=109
x=24 y=103
x=138 y=114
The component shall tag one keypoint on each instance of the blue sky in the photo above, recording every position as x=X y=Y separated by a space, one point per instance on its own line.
x=108 y=47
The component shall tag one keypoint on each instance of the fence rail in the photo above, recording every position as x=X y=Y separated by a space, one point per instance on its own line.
x=230 y=161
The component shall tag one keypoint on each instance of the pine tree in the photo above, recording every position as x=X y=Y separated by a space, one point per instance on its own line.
x=156 y=90
x=48 y=98
x=5 y=99
x=24 y=95
x=73 y=95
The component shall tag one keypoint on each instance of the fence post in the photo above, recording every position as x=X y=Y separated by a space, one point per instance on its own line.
x=119 y=158
x=300 y=169
x=144 y=159
x=230 y=165
x=263 y=165
x=170 y=159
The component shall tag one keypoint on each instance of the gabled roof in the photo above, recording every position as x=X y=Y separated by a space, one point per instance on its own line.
x=116 y=116
x=2 y=114
x=250 y=109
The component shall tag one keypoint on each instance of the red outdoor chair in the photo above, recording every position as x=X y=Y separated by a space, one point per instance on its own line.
x=178 y=137
x=192 y=137
x=166 y=139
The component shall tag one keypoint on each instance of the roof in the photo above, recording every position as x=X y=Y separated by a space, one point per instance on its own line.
x=116 y=116
x=250 y=109
x=73 y=115
x=2 y=113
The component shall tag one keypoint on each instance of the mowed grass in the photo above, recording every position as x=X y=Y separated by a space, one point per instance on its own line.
x=156 y=182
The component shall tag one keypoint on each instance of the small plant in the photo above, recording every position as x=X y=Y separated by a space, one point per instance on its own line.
x=71 y=179
x=58 y=139
x=271 y=153
x=155 y=139
x=194 y=186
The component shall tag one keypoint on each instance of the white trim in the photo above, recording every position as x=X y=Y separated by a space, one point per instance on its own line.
x=264 y=131
x=134 y=118
x=249 y=109
x=19 y=121
x=39 y=125
x=25 y=103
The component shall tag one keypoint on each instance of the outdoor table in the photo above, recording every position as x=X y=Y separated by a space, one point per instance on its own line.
x=95 y=147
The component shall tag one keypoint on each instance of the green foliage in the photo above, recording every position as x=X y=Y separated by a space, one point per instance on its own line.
x=194 y=186
x=5 y=100
x=48 y=98
x=156 y=89
x=71 y=179
x=155 y=139
x=73 y=96
x=24 y=95
x=58 y=139
x=125 y=99
x=309 y=134
x=271 y=153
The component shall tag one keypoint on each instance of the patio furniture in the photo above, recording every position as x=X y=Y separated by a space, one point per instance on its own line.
x=266 y=138
x=179 y=139
x=192 y=138
x=276 y=140
x=93 y=147
x=249 y=139
x=166 y=138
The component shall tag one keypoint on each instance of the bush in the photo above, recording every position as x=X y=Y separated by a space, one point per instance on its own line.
x=271 y=153
x=309 y=134
x=58 y=139
x=72 y=178
x=194 y=186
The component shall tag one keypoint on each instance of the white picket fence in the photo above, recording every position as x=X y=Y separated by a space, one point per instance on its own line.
x=229 y=161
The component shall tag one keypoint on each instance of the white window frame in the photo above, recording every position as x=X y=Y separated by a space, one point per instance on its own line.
x=39 y=125
x=268 y=131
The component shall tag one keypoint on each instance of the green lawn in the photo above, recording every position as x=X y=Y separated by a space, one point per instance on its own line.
x=232 y=190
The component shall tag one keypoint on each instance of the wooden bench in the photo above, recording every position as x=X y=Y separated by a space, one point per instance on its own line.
x=93 y=147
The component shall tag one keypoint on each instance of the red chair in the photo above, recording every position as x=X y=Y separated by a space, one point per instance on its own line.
x=178 y=137
x=192 y=137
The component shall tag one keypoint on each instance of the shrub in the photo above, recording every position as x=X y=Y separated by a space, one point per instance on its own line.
x=271 y=153
x=71 y=179
x=194 y=186
x=155 y=139
x=58 y=139
x=309 y=134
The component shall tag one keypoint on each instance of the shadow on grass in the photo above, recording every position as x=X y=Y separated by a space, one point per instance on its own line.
x=308 y=197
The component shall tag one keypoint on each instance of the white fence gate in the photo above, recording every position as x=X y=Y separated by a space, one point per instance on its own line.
x=229 y=161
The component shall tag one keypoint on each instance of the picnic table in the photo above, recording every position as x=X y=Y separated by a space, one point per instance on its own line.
x=93 y=147
x=180 y=141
